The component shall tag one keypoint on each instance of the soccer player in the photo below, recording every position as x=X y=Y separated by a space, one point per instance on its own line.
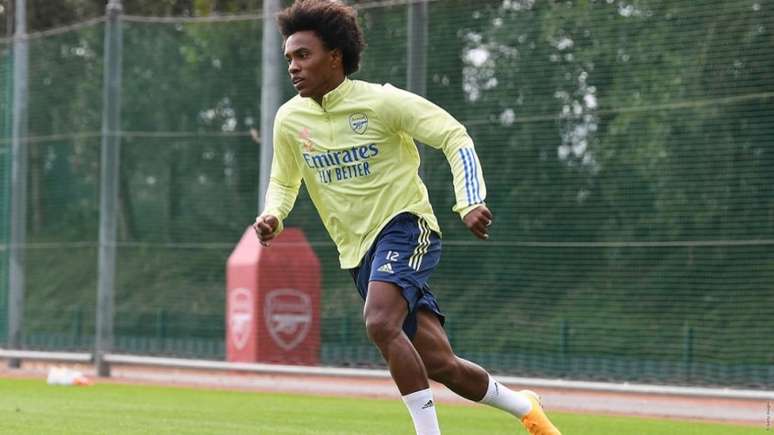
x=352 y=144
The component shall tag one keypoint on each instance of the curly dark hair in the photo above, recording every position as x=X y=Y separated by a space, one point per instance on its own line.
x=334 y=22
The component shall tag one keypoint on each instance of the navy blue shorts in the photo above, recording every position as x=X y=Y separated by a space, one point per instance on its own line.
x=404 y=253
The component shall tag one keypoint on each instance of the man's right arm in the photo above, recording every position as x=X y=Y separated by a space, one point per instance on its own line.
x=433 y=126
x=284 y=182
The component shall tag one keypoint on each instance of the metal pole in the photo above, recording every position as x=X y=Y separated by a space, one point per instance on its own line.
x=564 y=345
x=416 y=72
x=416 y=53
x=109 y=178
x=10 y=17
x=271 y=91
x=688 y=352
x=6 y=164
x=18 y=182
x=5 y=191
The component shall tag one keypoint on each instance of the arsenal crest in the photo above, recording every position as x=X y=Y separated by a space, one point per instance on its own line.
x=241 y=305
x=288 y=315
x=358 y=122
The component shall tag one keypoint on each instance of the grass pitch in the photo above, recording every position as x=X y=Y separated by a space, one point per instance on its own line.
x=32 y=407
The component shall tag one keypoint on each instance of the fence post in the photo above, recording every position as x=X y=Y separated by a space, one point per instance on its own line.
x=416 y=53
x=5 y=192
x=18 y=234
x=564 y=345
x=416 y=50
x=77 y=332
x=271 y=92
x=688 y=352
x=109 y=181
x=161 y=328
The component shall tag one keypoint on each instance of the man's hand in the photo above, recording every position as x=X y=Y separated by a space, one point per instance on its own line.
x=264 y=227
x=478 y=221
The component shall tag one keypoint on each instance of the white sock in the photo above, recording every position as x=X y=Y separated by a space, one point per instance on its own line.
x=422 y=408
x=502 y=397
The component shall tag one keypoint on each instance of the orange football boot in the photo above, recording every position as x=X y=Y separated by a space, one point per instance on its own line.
x=536 y=421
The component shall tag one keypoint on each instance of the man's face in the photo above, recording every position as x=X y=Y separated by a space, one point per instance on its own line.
x=312 y=67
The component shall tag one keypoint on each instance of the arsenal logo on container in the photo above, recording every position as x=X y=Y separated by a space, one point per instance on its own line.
x=240 y=319
x=288 y=315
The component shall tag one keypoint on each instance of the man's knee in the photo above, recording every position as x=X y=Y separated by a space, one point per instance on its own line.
x=381 y=327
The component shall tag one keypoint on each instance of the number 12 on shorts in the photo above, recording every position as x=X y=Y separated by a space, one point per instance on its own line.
x=392 y=256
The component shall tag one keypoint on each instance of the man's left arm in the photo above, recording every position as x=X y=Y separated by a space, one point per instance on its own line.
x=433 y=126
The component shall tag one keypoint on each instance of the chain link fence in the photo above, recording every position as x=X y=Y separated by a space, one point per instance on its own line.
x=627 y=148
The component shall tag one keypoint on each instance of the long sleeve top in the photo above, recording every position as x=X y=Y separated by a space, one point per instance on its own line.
x=356 y=155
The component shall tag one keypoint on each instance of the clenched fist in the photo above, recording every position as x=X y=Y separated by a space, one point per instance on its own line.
x=478 y=221
x=264 y=227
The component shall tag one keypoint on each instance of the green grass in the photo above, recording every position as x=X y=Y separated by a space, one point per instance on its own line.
x=32 y=407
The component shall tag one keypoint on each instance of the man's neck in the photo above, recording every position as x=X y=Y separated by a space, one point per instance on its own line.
x=333 y=84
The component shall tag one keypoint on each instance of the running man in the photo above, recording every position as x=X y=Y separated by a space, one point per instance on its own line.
x=352 y=144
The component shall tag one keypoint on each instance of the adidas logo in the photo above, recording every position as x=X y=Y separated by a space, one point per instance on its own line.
x=429 y=404
x=386 y=268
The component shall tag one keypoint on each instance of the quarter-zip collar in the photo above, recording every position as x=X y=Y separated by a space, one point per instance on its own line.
x=335 y=95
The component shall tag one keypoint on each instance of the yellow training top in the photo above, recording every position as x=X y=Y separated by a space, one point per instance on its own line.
x=360 y=165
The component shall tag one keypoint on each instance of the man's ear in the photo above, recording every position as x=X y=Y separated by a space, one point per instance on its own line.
x=337 y=58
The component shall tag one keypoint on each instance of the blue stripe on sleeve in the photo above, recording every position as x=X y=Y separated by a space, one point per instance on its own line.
x=476 y=187
x=463 y=156
x=472 y=176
